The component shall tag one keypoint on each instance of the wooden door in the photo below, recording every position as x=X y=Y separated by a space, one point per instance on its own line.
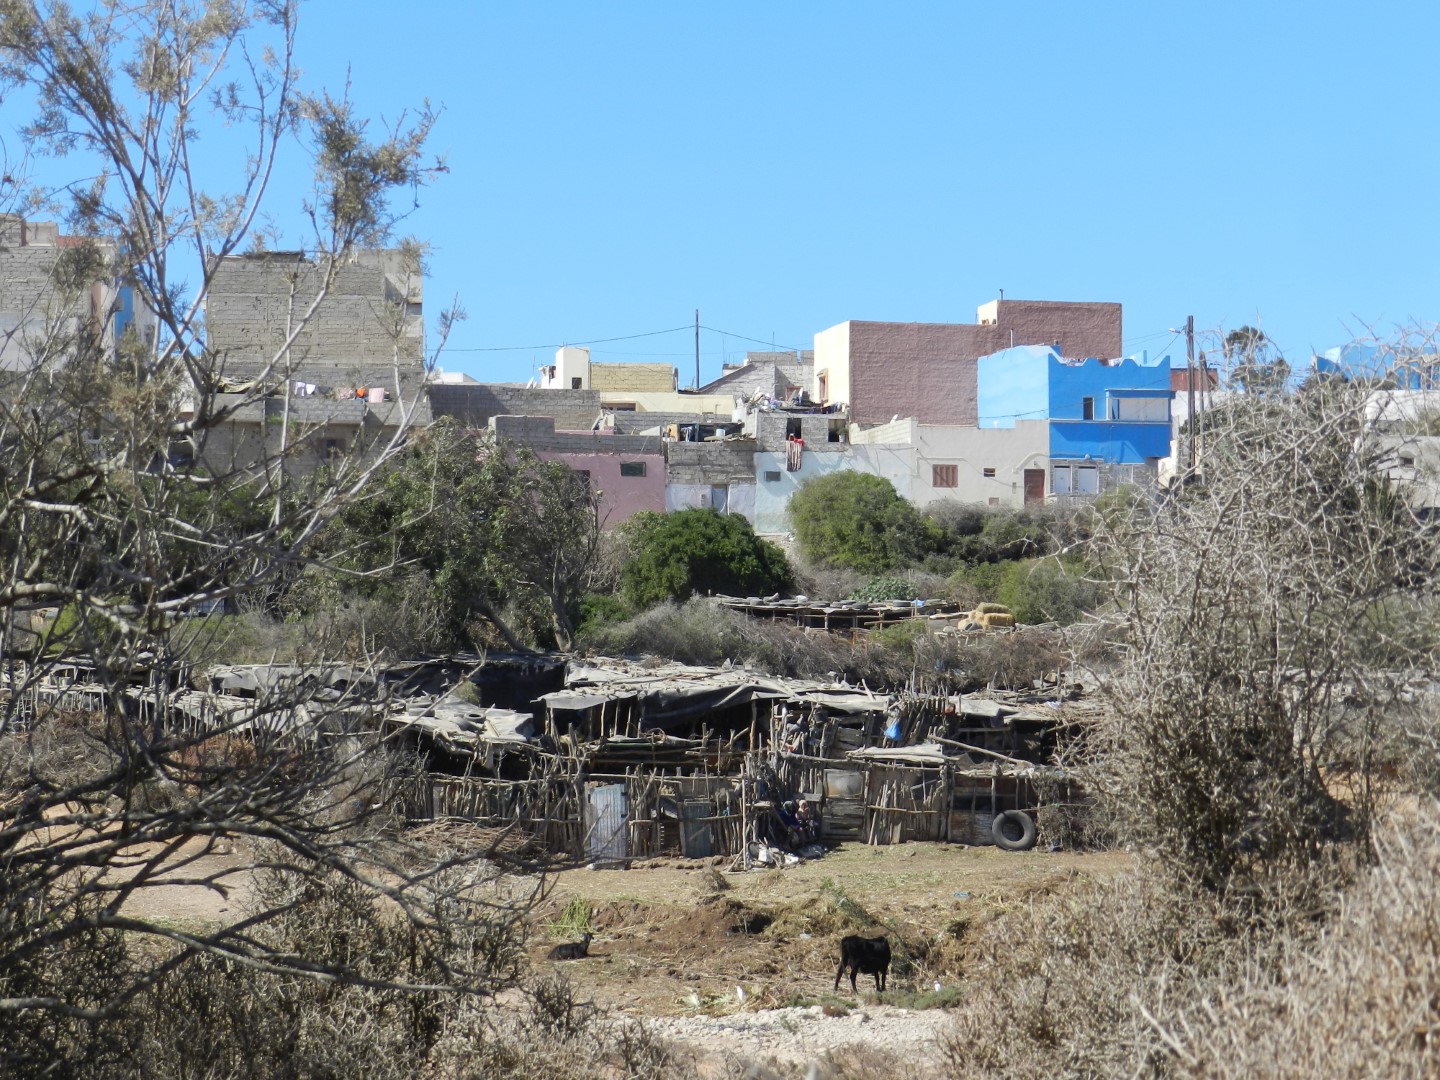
x=1034 y=485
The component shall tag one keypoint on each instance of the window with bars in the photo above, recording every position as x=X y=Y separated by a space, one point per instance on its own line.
x=632 y=468
x=944 y=476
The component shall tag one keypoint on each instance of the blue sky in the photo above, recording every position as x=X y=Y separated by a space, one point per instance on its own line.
x=784 y=167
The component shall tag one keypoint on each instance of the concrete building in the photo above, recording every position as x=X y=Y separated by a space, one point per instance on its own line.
x=1108 y=421
x=628 y=387
x=775 y=375
x=776 y=482
x=573 y=370
x=346 y=378
x=1408 y=363
x=992 y=466
x=626 y=471
x=720 y=475
x=46 y=314
x=927 y=370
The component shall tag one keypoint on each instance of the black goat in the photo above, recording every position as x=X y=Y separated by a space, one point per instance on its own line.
x=864 y=956
x=572 y=950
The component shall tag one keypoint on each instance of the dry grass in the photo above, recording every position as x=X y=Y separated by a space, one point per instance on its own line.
x=1363 y=1000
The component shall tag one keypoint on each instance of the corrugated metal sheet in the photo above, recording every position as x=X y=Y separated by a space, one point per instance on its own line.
x=607 y=839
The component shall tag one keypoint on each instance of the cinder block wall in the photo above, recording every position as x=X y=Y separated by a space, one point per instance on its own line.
x=641 y=378
x=368 y=318
x=475 y=405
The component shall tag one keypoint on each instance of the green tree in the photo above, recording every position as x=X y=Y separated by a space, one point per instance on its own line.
x=1048 y=590
x=481 y=529
x=674 y=556
x=1254 y=362
x=858 y=521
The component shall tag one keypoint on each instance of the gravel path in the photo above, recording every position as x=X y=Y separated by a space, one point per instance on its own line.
x=802 y=1035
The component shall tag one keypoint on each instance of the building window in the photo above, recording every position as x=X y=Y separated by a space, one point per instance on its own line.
x=988 y=473
x=1087 y=408
x=822 y=387
x=577 y=383
x=792 y=428
x=621 y=406
x=1075 y=480
x=835 y=432
x=994 y=500
x=946 y=476
x=772 y=476
x=1152 y=410
x=632 y=468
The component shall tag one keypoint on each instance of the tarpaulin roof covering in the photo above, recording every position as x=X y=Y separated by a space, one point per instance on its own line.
x=460 y=724
x=673 y=693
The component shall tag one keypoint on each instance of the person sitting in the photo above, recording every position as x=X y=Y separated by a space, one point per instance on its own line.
x=807 y=823
x=791 y=835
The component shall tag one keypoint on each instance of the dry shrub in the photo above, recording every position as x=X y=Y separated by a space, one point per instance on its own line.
x=1360 y=1002
x=1061 y=985
x=553 y=1033
x=700 y=632
x=855 y=1062
x=907 y=655
x=1255 y=655
x=384 y=991
x=64 y=746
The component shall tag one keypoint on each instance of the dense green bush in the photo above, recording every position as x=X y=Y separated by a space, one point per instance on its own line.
x=601 y=609
x=886 y=588
x=674 y=556
x=1048 y=590
x=975 y=534
x=857 y=520
x=976 y=583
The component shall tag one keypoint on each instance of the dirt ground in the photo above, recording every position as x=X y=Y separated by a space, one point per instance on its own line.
x=683 y=937
x=741 y=966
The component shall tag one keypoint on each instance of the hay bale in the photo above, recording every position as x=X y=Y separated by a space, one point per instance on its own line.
x=996 y=620
x=991 y=609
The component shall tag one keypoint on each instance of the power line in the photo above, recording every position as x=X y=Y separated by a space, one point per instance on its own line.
x=745 y=337
x=562 y=344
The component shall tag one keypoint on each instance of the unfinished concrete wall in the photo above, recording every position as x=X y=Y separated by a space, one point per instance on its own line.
x=475 y=405
x=770 y=373
x=822 y=433
x=307 y=432
x=367 y=331
x=640 y=378
x=43 y=318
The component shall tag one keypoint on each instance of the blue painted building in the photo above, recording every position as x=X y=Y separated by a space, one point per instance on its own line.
x=1099 y=413
x=1411 y=367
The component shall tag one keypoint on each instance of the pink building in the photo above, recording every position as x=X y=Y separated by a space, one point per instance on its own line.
x=628 y=471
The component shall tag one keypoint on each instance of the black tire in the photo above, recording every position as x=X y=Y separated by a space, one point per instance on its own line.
x=1013 y=830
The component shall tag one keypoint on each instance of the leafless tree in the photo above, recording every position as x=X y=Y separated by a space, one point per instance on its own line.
x=102 y=521
x=1271 y=609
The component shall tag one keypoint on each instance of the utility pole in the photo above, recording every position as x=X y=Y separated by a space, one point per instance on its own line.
x=1204 y=399
x=697 y=348
x=1190 y=384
